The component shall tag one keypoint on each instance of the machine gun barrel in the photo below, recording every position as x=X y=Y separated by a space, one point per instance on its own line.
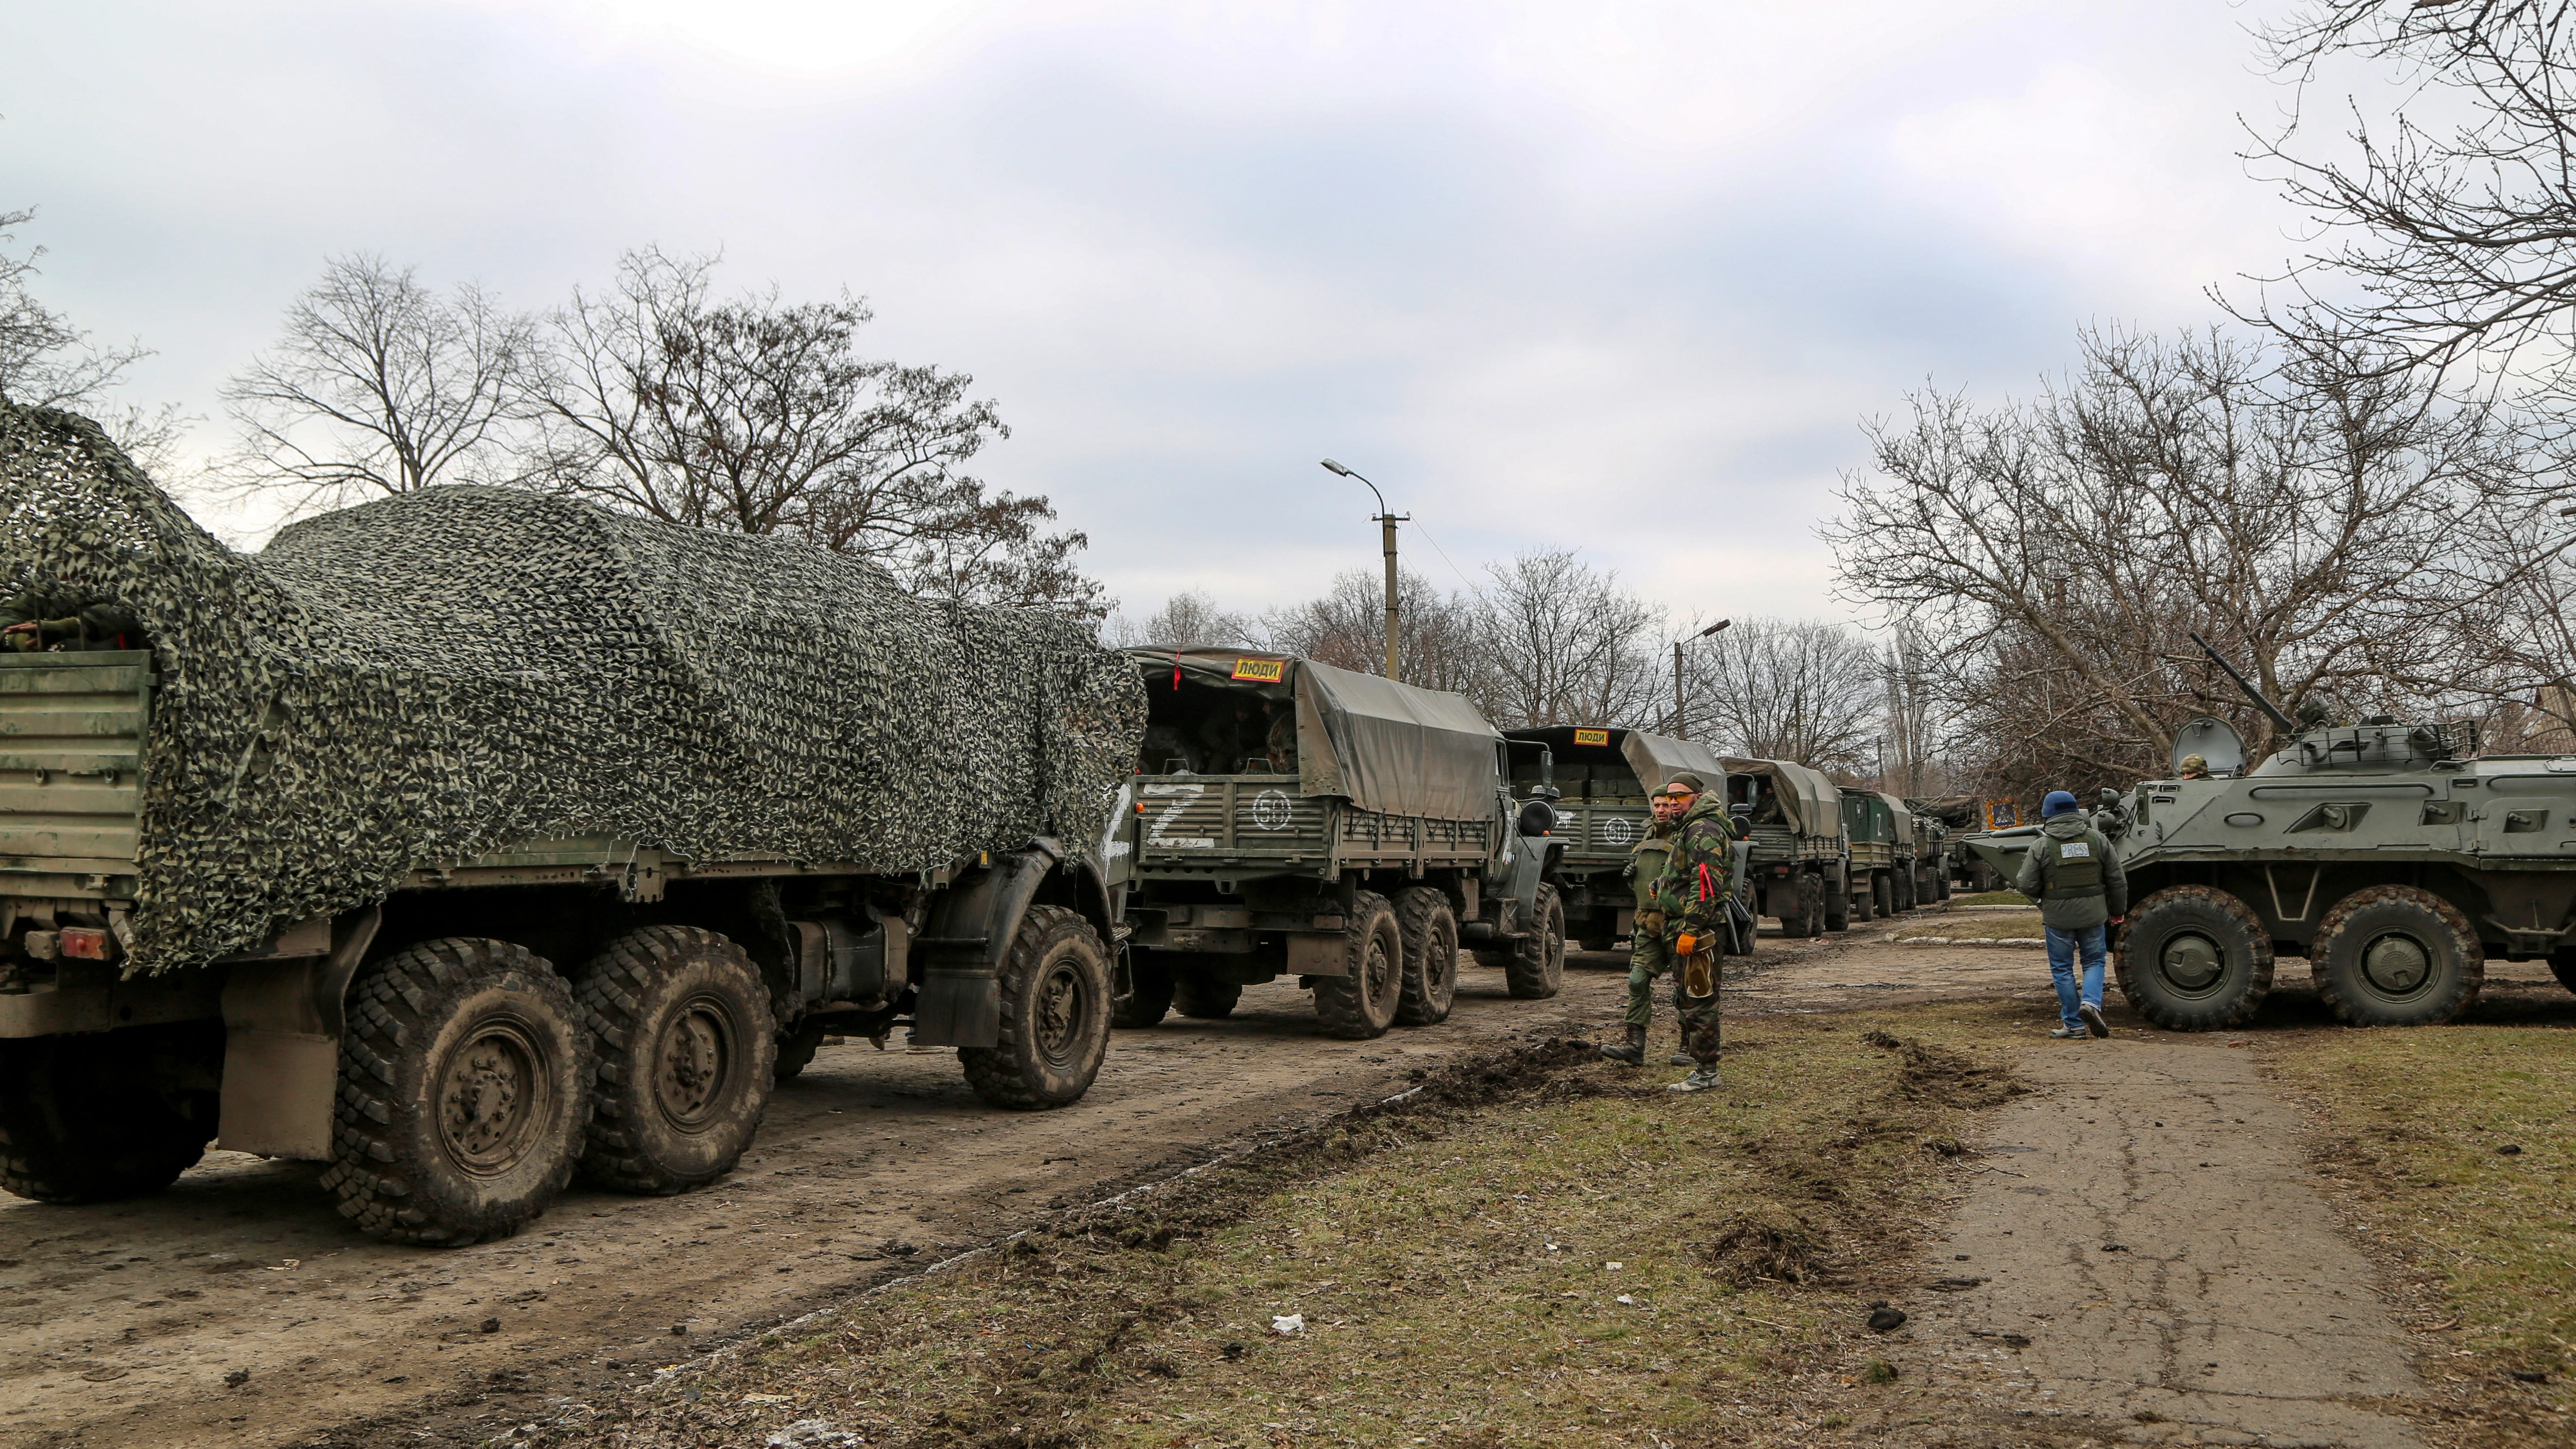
x=2256 y=695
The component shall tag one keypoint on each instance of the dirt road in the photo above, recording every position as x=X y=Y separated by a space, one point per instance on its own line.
x=238 y=1309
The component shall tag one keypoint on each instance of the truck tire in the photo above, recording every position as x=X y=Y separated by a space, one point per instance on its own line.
x=1856 y=908
x=2563 y=966
x=1203 y=999
x=1152 y=998
x=792 y=1052
x=1882 y=893
x=1362 y=1005
x=686 y=1051
x=1055 y=1016
x=80 y=1123
x=1428 y=925
x=465 y=1079
x=2194 y=958
x=2396 y=955
x=1536 y=968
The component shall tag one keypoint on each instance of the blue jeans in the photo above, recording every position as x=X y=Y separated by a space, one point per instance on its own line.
x=2062 y=946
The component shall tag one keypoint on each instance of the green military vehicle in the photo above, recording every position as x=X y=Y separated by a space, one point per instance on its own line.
x=1293 y=819
x=246 y=894
x=1881 y=832
x=1932 y=855
x=1599 y=780
x=2391 y=855
x=1799 y=866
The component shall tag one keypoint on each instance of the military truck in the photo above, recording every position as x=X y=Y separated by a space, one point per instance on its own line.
x=1294 y=819
x=1932 y=856
x=1884 y=859
x=1799 y=866
x=2391 y=855
x=1599 y=781
x=229 y=913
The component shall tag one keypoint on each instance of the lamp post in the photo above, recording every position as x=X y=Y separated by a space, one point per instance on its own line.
x=1681 y=727
x=1387 y=520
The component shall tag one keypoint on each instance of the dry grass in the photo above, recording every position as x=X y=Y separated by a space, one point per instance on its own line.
x=1983 y=926
x=2456 y=1146
x=1559 y=1253
x=1993 y=898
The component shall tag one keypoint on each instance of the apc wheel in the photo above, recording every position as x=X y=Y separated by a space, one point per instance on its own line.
x=1535 y=970
x=2194 y=958
x=1152 y=999
x=93 y=1118
x=1055 y=1015
x=2395 y=955
x=1362 y=1005
x=465 y=1079
x=1197 y=996
x=687 y=1050
x=1429 y=927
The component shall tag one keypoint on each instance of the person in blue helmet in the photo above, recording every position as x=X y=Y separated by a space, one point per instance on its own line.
x=2082 y=891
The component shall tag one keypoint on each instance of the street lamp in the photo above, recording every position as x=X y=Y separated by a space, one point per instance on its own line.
x=1681 y=730
x=1387 y=520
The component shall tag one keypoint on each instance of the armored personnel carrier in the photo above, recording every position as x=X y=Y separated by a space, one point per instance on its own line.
x=2391 y=855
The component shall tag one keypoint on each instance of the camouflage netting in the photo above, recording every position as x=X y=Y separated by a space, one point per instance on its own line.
x=429 y=678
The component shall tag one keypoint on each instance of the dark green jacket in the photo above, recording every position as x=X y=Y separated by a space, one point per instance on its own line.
x=2074 y=875
x=1696 y=884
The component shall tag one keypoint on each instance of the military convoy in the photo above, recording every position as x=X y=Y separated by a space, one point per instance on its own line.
x=1293 y=819
x=1800 y=866
x=2389 y=854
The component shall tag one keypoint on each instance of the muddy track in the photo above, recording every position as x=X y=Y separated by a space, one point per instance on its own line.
x=238 y=1308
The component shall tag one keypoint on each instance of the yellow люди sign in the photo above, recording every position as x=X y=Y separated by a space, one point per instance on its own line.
x=1592 y=737
x=1261 y=671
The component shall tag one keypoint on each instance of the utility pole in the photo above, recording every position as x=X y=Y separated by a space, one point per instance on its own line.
x=1681 y=724
x=1387 y=519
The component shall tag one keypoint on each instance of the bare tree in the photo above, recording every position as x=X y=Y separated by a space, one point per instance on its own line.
x=760 y=416
x=45 y=361
x=2309 y=510
x=377 y=384
x=1789 y=689
x=1187 y=620
x=1436 y=635
x=1567 y=644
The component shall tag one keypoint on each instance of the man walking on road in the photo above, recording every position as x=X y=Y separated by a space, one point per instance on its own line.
x=2082 y=891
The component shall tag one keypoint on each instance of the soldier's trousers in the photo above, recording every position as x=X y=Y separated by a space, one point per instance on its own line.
x=1652 y=957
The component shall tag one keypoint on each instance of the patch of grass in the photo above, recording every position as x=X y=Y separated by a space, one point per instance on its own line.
x=1993 y=898
x=1984 y=926
x=1458 y=1267
x=2418 y=1123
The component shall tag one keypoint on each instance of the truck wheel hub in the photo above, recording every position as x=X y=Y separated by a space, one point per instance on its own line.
x=491 y=1097
x=2192 y=962
x=697 y=1053
x=1059 y=1014
x=2396 y=963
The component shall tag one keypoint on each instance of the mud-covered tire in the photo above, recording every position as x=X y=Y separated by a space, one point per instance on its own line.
x=793 y=1051
x=2194 y=958
x=96 y=1117
x=2396 y=955
x=1811 y=907
x=1155 y=986
x=1055 y=1016
x=1361 y=1005
x=1204 y=999
x=1535 y=970
x=1428 y=925
x=1856 y=908
x=465 y=1078
x=686 y=1051
x=1882 y=894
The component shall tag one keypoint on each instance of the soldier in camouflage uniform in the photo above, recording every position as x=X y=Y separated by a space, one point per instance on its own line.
x=1697 y=883
x=39 y=618
x=1648 y=957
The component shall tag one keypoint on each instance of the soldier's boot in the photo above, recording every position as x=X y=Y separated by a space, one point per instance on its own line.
x=1632 y=1051
x=1681 y=1059
x=1700 y=1080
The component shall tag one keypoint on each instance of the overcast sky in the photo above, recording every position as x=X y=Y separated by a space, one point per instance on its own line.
x=1621 y=277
